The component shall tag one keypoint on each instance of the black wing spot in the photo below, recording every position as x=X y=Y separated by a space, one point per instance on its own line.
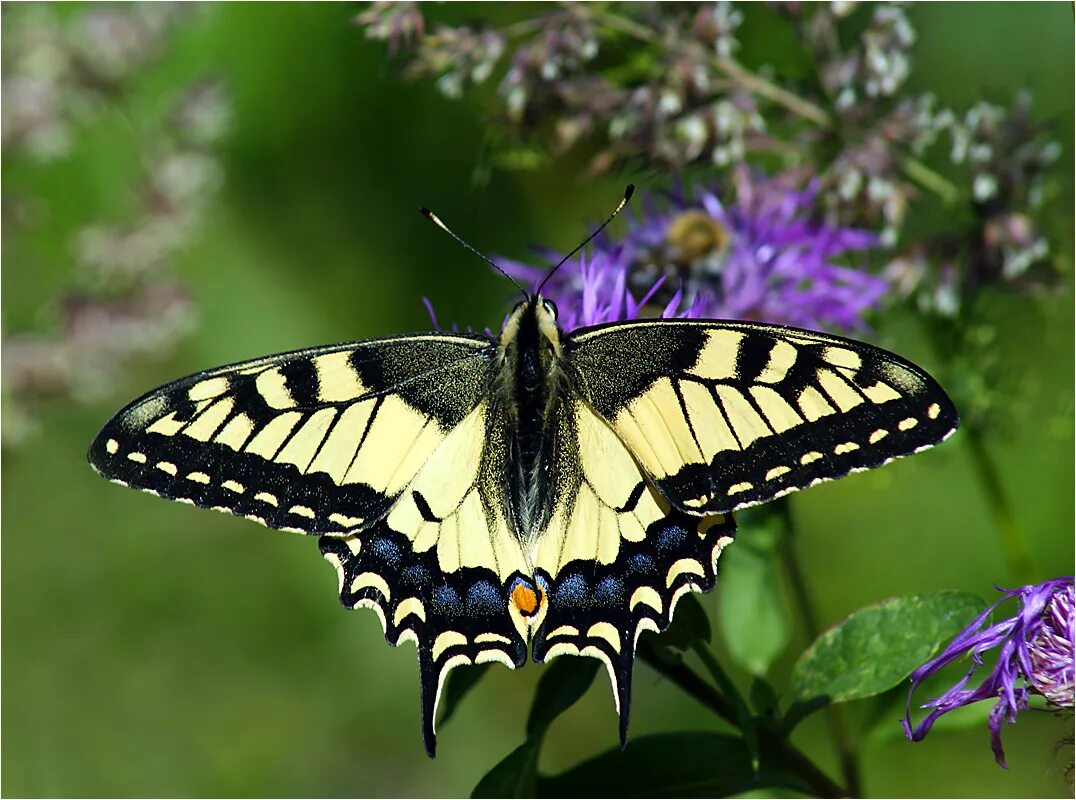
x=633 y=499
x=424 y=507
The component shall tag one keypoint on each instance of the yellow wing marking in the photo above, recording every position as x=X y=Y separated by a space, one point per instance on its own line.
x=839 y=390
x=304 y=443
x=338 y=451
x=205 y=424
x=236 y=432
x=717 y=360
x=392 y=431
x=207 y=389
x=612 y=502
x=464 y=532
x=337 y=379
x=813 y=405
x=782 y=358
x=746 y=422
x=272 y=436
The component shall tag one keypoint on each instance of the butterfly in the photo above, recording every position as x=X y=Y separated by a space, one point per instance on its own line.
x=539 y=490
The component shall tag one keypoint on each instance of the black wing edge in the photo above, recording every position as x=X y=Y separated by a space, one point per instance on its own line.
x=454 y=619
x=600 y=610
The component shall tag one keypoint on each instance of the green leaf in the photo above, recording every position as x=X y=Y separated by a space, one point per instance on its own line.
x=563 y=682
x=690 y=625
x=514 y=776
x=458 y=684
x=879 y=646
x=750 y=613
x=685 y=764
x=561 y=685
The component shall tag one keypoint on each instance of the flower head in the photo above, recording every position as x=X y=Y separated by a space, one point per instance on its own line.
x=1035 y=657
x=765 y=257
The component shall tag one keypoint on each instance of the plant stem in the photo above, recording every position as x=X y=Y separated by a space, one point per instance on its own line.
x=843 y=741
x=812 y=112
x=744 y=77
x=695 y=687
x=929 y=179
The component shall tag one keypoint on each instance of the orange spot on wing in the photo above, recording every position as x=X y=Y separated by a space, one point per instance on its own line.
x=525 y=599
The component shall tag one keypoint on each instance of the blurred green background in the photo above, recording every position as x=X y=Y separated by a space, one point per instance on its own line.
x=156 y=649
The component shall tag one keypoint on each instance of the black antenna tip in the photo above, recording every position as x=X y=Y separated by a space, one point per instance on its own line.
x=628 y=192
x=425 y=212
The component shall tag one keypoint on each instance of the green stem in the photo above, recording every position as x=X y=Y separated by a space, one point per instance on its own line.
x=929 y=179
x=812 y=112
x=731 y=69
x=695 y=687
x=847 y=755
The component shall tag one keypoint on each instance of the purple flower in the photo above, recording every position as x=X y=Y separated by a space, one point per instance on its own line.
x=766 y=257
x=1035 y=657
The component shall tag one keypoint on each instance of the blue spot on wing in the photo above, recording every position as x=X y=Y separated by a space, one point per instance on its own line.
x=484 y=598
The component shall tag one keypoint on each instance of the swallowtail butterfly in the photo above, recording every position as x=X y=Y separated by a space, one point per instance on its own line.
x=538 y=489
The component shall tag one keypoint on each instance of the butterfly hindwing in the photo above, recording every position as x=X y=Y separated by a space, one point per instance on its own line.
x=441 y=568
x=315 y=441
x=615 y=557
x=724 y=415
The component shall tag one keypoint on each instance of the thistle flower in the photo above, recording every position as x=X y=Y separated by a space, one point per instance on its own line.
x=1035 y=657
x=764 y=257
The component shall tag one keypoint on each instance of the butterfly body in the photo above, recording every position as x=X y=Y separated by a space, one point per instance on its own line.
x=540 y=490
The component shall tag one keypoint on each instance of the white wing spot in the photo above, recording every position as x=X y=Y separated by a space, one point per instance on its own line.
x=344 y=520
x=302 y=511
x=845 y=447
x=877 y=436
x=139 y=458
x=777 y=472
x=265 y=497
x=198 y=477
x=563 y=630
x=740 y=487
x=908 y=424
x=112 y=446
x=233 y=486
x=167 y=466
x=933 y=411
x=810 y=457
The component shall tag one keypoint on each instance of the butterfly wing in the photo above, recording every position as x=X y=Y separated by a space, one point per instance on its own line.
x=615 y=557
x=314 y=441
x=439 y=568
x=724 y=415
x=387 y=448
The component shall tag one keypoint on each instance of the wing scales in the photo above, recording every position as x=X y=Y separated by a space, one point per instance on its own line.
x=734 y=414
x=438 y=568
x=315 y=441
x=615 y=558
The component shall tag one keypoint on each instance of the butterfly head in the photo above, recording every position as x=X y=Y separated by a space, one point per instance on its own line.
x=532 y=326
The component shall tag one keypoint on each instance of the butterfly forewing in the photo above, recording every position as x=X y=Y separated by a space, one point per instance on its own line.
x=316 y=441
x=724 y=415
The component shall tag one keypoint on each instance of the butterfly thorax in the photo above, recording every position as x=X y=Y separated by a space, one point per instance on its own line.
x=531 y=386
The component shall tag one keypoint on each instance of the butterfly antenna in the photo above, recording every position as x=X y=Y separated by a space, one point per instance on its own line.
x=628 y=192
x=437 y=221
